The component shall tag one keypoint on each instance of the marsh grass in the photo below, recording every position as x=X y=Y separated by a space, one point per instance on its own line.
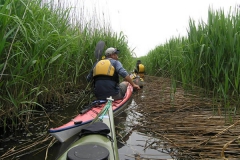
x=208 y=57
x=46 y=49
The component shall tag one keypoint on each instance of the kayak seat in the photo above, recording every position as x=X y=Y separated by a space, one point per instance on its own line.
x=96 y=128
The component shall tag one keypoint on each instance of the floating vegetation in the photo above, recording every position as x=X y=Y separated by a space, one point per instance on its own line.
x=190 y=125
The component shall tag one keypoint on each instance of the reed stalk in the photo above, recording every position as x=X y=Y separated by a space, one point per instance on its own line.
x=46 y=50
x=208 y=57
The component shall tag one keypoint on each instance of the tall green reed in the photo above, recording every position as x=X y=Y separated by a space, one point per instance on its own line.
x=46 y=51
x=207 y=57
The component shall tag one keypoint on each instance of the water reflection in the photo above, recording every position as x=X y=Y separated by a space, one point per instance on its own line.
x=131 y=143
x=135 y=147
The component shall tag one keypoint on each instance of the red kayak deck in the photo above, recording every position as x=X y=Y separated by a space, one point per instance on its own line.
x=74 y=126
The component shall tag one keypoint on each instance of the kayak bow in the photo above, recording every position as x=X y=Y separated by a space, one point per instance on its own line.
x=97 y=140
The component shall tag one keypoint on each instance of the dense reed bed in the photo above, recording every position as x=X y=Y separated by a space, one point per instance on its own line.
x=46 y=49
x=184 y=122
x=207 y=57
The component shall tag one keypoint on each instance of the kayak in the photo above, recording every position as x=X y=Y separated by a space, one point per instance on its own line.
x=74 y=126
x=137 y=79
x=96 y=140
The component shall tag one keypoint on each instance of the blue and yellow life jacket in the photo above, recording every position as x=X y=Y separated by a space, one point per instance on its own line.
x=105 y=70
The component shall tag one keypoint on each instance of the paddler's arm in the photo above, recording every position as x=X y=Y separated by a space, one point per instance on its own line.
x=128 y=78
x=124 y=74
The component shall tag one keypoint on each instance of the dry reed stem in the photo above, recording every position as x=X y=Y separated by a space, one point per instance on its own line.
x=13 y=151
x=189 y=121
x=49 y=145
x=226 y=145
x=219 y=133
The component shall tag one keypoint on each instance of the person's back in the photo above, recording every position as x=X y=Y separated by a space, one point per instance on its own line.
x=140 y=69
x=106 y=77
x=107 y=84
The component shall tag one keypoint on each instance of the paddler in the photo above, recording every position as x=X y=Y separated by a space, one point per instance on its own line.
x=105 y=75
x=140 y=69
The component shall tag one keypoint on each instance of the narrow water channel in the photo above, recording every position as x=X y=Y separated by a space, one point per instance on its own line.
x=182 y=121
x=134 y=143
x=131 y=143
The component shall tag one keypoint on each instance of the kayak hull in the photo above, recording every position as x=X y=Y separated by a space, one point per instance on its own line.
x=66 y=131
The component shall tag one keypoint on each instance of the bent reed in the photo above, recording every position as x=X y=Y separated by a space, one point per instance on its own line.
x=46 y=50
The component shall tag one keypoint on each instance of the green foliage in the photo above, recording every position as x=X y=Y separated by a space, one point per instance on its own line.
x=208 y=57
x=43 y=54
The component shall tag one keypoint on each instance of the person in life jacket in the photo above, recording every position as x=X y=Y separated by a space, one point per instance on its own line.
x=105 y=75
x=140 y=69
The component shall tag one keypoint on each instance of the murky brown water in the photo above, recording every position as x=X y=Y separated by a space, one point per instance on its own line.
x=155 y=125
x=37 y=144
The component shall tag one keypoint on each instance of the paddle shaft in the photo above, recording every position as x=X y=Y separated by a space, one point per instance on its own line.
x=95 y=103
x=99 y=49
